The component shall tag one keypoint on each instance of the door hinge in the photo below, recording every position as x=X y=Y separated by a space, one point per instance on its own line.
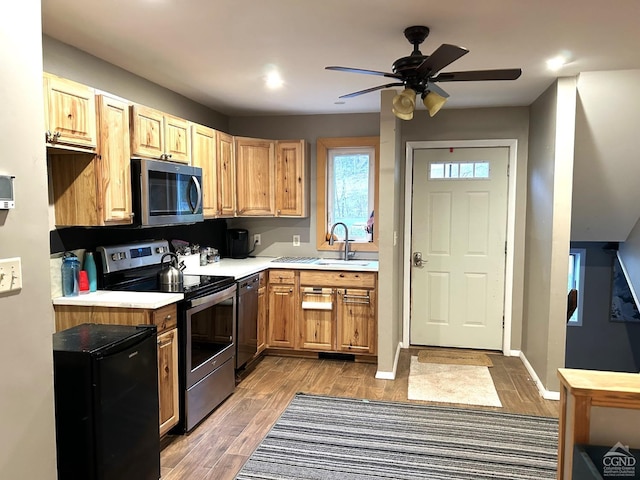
x=508 y=168
x=505 y=247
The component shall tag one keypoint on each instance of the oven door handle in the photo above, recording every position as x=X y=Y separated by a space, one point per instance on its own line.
x=213 y=298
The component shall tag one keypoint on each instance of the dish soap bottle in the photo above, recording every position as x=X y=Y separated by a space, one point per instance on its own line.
x=90 y=267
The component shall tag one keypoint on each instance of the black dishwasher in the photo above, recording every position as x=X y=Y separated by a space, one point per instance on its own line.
x=247 y=317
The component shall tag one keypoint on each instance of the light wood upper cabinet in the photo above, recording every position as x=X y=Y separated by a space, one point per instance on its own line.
x=290 y=183
x=204 y=143
x=225 y=151
x=177 y=143
x=90 y=189
x=255 y=176
x=114 y=172
x=70 y=113
x=158 y=135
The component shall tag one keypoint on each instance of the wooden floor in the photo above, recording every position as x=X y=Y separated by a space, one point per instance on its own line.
x=217 y=448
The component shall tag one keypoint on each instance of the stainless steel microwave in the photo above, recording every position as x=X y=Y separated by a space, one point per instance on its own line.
x=165 y=193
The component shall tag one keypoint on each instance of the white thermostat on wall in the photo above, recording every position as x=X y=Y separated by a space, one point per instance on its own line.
x=7 y=200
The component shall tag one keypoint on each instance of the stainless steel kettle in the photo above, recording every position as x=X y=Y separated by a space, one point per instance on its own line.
x=170 y=276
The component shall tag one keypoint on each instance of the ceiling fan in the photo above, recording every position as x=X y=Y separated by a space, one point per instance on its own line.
x=419 y=73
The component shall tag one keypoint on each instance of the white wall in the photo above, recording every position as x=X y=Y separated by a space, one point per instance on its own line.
x=630 y=255
x=606 y=197
x=27 y=444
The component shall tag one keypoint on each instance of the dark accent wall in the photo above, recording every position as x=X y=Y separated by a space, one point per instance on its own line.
x=600 y=344
x=210 y=233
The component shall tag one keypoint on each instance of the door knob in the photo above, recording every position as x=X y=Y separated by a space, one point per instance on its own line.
x=418 y=261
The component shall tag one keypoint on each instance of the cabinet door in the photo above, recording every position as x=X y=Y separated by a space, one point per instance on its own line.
x=282 y=315
x=262 y=318
x=316 y=320
x=147 y=132
x=168 y=388
x=357 y=321
x=114 y=157
x=70 y=113
x=226 y=175
x=177 y=139
x=255 y=173
x=290 y=184
x=203 y=155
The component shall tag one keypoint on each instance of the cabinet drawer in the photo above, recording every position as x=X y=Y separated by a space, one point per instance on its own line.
x=282 y=276
x=165 y=317
x=338 y=279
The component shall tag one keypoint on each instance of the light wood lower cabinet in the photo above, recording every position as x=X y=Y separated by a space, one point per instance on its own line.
x=282 y=309
x=168 y=388
x=323 y=311
x=316 y=321
x=356 y=320
x=262 y=313
x=165 y=318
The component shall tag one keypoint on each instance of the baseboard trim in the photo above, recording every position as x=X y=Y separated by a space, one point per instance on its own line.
x=514 y=353
x=544 y=393
x=382 y=375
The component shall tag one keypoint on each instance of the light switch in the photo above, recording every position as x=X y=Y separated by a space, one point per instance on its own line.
x=10 y=274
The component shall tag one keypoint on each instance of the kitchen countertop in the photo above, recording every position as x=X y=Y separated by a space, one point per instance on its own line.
x=120 y=299
x=239 y=268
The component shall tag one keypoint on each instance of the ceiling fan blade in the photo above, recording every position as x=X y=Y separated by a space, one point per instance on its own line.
x=373 y=89
x=440 y=58
x=476 y=75
x=366 y=72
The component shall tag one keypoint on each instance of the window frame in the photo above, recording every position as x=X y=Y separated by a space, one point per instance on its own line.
x=322 y=151
x=581 y=254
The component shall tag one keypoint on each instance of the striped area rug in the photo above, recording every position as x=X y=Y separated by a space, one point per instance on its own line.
x=327 y=438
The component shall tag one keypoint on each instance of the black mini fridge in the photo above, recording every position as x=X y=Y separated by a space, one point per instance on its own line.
x=106 y=402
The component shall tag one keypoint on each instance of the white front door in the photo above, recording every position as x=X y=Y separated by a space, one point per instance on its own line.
x=459 y=224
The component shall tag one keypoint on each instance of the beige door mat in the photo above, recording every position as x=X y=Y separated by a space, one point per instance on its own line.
x=454 y=357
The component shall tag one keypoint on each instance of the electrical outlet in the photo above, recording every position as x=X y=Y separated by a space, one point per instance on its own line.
x=257 y=239
x=296 y=240
x=10 y=274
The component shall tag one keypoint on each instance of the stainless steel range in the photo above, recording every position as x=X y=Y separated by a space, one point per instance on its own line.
x=206 y=324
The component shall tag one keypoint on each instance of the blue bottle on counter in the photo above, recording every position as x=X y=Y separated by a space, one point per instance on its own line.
x=70 y=276
x=90 y=267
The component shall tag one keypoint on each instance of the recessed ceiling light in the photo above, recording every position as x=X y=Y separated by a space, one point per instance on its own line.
x=274 y=80
x=556 y=63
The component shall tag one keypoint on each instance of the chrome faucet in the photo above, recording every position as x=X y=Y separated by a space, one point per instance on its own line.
x=347 y=253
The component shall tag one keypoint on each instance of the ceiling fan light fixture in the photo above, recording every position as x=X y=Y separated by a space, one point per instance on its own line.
x=404 y=104
x=433 y=102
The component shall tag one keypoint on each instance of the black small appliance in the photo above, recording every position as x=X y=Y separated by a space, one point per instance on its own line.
x=106 y=402
x=238 y=243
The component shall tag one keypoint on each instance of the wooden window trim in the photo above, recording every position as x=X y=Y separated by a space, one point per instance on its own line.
x=323 y=145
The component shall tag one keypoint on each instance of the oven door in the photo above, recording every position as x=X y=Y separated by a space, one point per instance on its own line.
x=209 y=334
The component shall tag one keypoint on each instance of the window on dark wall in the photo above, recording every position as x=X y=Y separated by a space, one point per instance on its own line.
x=575 y=285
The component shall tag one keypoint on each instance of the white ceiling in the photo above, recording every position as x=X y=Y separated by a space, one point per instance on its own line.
x=217 y=52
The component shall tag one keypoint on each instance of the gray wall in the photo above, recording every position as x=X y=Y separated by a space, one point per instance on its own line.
x=69 y=62
x=27 y=446
x=548 y=229
x=599 y=344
